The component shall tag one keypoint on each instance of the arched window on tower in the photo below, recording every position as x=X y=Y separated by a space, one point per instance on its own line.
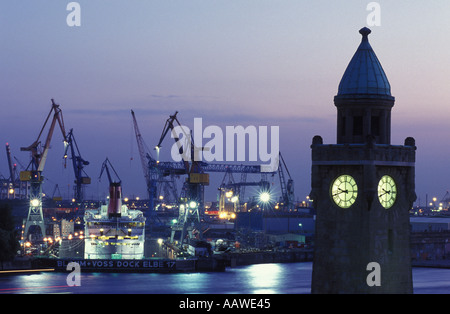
x=375 y=125
x=357 y=125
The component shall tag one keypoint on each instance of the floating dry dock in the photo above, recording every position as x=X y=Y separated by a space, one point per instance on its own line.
x=158 y=265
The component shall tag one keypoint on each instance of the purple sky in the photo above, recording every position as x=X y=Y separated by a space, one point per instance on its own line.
x=237 y=62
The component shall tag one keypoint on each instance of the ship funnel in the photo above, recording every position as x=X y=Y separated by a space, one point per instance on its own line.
x=115 y=200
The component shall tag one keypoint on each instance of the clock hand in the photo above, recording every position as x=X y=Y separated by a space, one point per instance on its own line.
x=341 y=191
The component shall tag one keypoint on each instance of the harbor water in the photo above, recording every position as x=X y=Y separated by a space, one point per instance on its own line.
x=289 y=278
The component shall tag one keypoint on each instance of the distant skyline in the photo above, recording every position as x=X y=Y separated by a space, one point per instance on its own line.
x=238 y=62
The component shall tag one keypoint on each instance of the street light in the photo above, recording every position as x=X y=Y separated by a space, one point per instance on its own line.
x=193 y=204
x=264 y=197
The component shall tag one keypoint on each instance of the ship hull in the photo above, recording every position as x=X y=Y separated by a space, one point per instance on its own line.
x=118 y=266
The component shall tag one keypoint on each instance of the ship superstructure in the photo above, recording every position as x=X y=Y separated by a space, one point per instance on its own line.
x=113 y=231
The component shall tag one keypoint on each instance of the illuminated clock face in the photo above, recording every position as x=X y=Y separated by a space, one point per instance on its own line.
x=344 y=191
x=387 y=191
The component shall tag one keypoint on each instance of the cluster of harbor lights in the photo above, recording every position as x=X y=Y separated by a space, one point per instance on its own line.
x=48 y=242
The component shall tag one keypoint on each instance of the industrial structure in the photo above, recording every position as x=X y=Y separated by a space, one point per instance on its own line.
x=160 y=180
x=78 y=163
x=11 y=187
x=232 y=193
x=34 y=172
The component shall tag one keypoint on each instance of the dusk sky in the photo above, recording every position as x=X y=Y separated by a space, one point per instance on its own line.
x=233 y=62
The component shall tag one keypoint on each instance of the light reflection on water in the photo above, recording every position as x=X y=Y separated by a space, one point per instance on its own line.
x=431 y=280
x=263 y=277
x=254 y=279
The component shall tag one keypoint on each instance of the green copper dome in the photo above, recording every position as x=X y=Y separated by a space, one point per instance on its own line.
x=364 y=75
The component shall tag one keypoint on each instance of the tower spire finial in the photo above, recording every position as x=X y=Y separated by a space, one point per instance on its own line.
x=365 y=33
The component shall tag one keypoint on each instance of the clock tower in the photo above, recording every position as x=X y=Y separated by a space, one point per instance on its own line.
x=362 y=188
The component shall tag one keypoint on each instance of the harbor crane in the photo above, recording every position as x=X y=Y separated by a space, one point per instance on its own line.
x=154 y=171
x=12 y=187
x=56 y=195
x=159 y=184
x=233 y=192
x=115 y=190
x=144 y=154
x=192 y=194
x=33 y=173
x=108 y=173
x=287 y=187
x=12 y=173
x=198 y=175
x=159 y=175
x=81 y=178
x=194 y=169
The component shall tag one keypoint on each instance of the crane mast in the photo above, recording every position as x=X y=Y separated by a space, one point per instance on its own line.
x=147 y=163
x=287 y=188
x=13 y=188
x=108 y=173
x=169 y=126
x=38 y=158
x=78 y=164
x=142 y=150
x=12 y=175
x=37 y=164
x=154 y=177
x=193 y=188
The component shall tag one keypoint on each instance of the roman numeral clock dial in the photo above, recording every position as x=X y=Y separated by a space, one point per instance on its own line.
x=344 y=191
x=387 y=191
